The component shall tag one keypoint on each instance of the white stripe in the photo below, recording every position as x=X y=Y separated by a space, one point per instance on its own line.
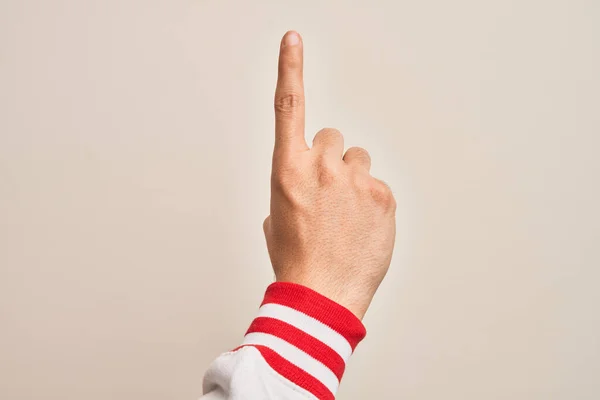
x=308 y=324
x=297 y=357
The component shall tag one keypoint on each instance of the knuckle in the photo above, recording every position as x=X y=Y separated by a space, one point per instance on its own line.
x=361 y=182
x=382 y=194
x=392 y=204
x=364 y=153
x=288 y=102
x=329 y=135
x=326 y=171
x=358 y=152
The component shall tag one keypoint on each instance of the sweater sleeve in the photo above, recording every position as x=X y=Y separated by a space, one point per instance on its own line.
x=296 y=348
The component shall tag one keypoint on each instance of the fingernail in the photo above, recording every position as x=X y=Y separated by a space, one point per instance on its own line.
x=291 y=39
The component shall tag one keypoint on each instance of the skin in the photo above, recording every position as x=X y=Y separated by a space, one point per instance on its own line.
x=331 y=225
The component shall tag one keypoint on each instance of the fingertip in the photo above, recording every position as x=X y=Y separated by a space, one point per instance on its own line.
x=291 y=53
x=291 y=38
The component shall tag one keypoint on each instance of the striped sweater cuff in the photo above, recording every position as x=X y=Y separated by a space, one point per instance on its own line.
x=305 y=337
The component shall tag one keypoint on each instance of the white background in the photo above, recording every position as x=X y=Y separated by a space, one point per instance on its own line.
x=135 y=141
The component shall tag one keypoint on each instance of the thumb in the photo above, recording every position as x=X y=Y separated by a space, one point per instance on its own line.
x=267 y=226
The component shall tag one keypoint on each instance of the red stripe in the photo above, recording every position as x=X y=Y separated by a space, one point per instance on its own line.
x=293 y=373
x=319 y=307
x=302 y=340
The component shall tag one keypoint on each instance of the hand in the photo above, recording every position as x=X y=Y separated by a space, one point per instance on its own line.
x=332 y=225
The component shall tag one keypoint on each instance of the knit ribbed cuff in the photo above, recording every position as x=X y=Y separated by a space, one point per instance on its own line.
x=305 y=337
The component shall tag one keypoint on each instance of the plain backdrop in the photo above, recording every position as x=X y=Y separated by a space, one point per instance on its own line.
x=135 y=149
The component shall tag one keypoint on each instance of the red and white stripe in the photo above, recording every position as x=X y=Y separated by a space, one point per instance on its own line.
x=305 y=337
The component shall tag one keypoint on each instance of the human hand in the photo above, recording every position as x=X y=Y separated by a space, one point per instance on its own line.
x=331 y=225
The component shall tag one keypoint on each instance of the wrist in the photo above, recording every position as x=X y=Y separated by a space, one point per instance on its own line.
x=348 y=296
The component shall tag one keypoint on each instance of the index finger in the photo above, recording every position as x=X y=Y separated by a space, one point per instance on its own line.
x=289 y=96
